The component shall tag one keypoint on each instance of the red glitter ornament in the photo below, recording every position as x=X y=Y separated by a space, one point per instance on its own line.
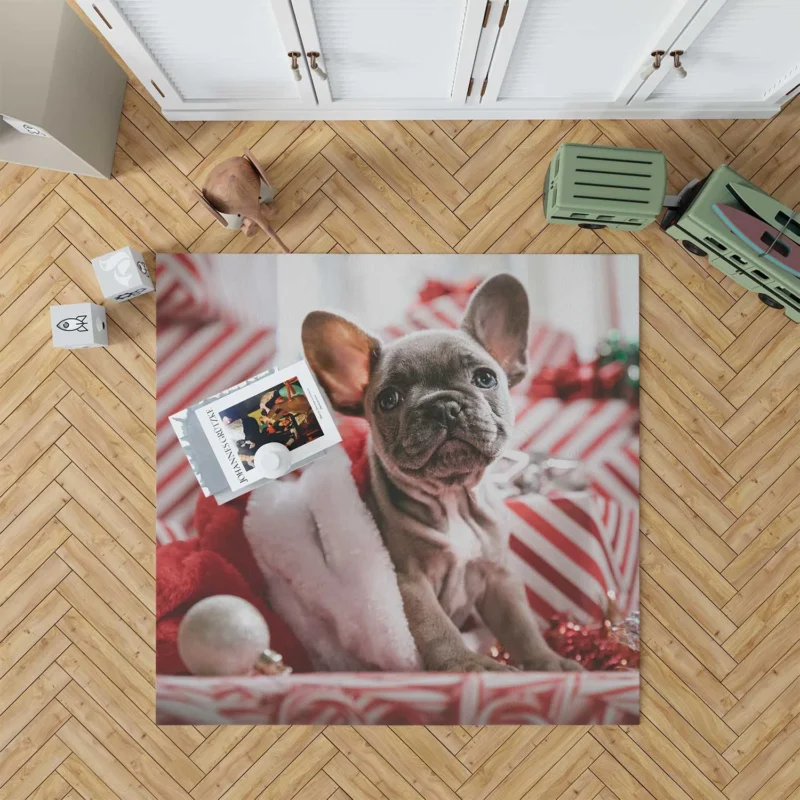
x=595 y=647
x=605 y=646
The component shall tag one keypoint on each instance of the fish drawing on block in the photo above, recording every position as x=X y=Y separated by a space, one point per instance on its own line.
x=764 y=239
x=77 y=324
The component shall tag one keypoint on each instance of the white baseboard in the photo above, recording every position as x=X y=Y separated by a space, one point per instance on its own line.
x=650 y=111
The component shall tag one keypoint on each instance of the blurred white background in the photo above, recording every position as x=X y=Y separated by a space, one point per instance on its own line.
x=575 y=293
x=571 y=292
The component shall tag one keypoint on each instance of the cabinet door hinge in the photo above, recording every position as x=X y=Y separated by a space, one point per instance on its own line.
x=503 y=15
x=469 y=88
x=486 y=13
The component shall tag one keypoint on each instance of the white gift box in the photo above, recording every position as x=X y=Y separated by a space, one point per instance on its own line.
x=78 y=325
x=122 y=274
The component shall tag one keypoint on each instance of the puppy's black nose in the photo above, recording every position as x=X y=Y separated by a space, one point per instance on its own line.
x=444 y=411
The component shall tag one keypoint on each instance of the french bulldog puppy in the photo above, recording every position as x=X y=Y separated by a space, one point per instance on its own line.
x=440 y=414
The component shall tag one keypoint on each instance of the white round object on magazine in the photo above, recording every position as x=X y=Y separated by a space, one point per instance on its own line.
x=273 y=460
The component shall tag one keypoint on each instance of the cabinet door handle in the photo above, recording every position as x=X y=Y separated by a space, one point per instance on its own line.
x=676 y=60
x=657 y=56
x=100 y=14
x=318 y=71
x=294 y=55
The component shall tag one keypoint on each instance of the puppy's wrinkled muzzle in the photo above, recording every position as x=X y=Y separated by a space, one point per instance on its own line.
x=442 y=410
x=445 y=437
x=430 y=423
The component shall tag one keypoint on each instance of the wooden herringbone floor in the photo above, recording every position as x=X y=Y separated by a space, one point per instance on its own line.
x=720 y=472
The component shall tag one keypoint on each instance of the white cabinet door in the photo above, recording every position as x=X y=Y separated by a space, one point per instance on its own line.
x=391 y=53
x=578 y=53
x=735 y=51
x=208 y=54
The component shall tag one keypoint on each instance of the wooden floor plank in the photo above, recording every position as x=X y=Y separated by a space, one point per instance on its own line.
x=683 y=735
x=383 y=233
x=34 y=736
x=768 y=141
x=686 y=594
x=25 y=199
x=83 y=781
x=133 y=213
x=493 y=152
x=514 y=168
x=475 y=133
x=122 y=565
x=112 y=519
x=99 y=399
x=120 y=742
x=699 y=463
x=292 y=159
x=155 y=164
x=682 y=555
x=780 y=567
x=12 y=176
x=31 y=629
x=437 y=143
x=537 y=764
x=31 y=702
x=100 y=470
x=570 y=772
x=107 y=622
x=209 y=135
x=702 y=140
x=30 y=230
x=427 y=169
x=90 y=207
x=371 y=164
x=152 y=197
x=159 y=131
x=452 y=127
x=31 y=266
x=106 y=772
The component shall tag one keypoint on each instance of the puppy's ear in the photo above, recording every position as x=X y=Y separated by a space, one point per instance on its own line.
x=497 y=318
x=342 y=357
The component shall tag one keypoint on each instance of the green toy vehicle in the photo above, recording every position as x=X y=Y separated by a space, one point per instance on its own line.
x=605 y=187
x=699 y=227
x=752 y=238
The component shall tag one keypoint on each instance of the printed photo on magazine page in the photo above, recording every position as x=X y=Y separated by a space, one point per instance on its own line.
x=286 y=407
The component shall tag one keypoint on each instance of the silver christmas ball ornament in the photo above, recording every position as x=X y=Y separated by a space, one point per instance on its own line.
x=222 y=635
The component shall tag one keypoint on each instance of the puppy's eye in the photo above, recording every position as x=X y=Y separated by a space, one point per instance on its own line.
x=484 y=378
x=389 y=399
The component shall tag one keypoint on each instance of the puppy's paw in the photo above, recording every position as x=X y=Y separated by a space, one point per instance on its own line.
x=475 y=662
x=550 y=662
x=493 y=666
x=569 y=665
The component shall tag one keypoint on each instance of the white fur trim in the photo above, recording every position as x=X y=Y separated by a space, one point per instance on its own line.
x=328 y=573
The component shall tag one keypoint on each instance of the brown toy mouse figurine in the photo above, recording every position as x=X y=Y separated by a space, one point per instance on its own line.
x=233 y=188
